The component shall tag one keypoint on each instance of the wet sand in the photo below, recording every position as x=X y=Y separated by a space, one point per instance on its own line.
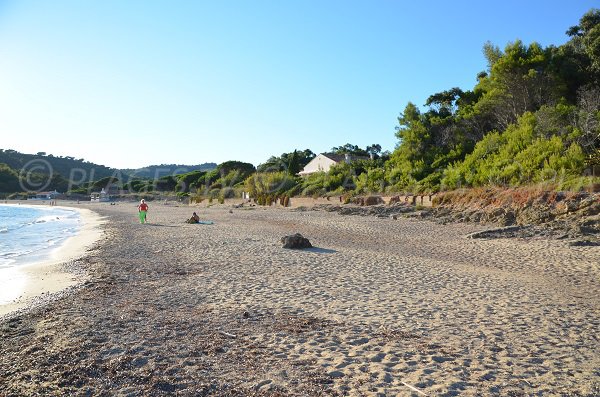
x=379 y=307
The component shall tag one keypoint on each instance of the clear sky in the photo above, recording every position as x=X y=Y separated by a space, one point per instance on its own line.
x=129 y=83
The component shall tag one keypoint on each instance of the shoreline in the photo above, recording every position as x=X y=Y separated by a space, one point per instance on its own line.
x=31 y=281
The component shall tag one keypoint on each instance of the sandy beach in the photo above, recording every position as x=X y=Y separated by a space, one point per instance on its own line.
x=379 y=307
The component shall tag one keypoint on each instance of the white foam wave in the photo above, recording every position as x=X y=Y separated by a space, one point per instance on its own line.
x=47 y=218
x=33 y=235
x=5 y=263
x=15 y=254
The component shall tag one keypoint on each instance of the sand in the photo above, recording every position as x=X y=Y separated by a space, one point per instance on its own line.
x=379 y=307
x=25 y=285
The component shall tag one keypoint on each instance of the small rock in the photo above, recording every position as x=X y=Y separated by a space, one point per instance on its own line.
x=336 y=374
x=295 y=241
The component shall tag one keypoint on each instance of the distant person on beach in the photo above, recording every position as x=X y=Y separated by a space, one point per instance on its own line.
x=194 y=219
x=142 y=211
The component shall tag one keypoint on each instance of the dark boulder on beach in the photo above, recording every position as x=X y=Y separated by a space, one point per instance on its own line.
x=295 y=241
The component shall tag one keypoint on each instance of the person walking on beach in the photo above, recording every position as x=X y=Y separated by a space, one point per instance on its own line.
x=142 y=210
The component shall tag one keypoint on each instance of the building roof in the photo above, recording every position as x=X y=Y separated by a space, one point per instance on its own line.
x=341 y=157
x=335 y=157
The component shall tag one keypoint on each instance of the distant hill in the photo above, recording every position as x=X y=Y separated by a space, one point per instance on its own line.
x=70 y=168
x=20 y=172
x=158 y=171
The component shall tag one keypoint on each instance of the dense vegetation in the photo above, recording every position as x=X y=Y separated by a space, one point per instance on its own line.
x=26 y=173
x=292 y=162
x=532 y=118
x=41 y=171
x=159 y=171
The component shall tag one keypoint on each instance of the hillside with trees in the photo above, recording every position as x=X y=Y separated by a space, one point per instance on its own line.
x=68 y=167
x=532 y=118
x=293 y=161
x=159 y=171
x=26 y=173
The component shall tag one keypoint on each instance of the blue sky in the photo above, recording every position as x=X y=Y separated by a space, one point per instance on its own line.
x=132 y=83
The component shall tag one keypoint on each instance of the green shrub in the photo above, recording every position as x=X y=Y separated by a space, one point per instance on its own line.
x=517 y=157
x=266 y=186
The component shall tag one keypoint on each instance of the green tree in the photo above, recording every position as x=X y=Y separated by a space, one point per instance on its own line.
x=294 y=164
x=189 y=180
x=165 y=184
x=231 y=173
x=240 y=166
x=519 y=81
x=281 y=163
x=9 y=180
x=349 y=149
x=588 y=118
x=412 y=155
x=587 y=33
x=373 y=150
x=105 y=183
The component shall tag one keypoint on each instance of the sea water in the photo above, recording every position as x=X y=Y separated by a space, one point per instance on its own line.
x=31 y=233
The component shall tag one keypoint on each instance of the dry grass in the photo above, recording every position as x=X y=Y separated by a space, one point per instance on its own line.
x=496 y=197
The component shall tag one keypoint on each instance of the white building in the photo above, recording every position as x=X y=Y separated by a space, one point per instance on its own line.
x=101 y=197
x=44 y=195
x=324 y=161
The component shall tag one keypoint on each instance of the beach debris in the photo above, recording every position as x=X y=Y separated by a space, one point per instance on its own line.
x=373 y=200
x=228 y=335
x=262 y=383
x=414 y=389
x=506 y=231
x=584 y=243
x=367 y=201
x=295 y=241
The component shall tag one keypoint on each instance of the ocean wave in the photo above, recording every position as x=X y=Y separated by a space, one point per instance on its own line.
x=6 y=263
x=14 y=254
x=47 y=218
x=55 y=241
x=31 y=234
